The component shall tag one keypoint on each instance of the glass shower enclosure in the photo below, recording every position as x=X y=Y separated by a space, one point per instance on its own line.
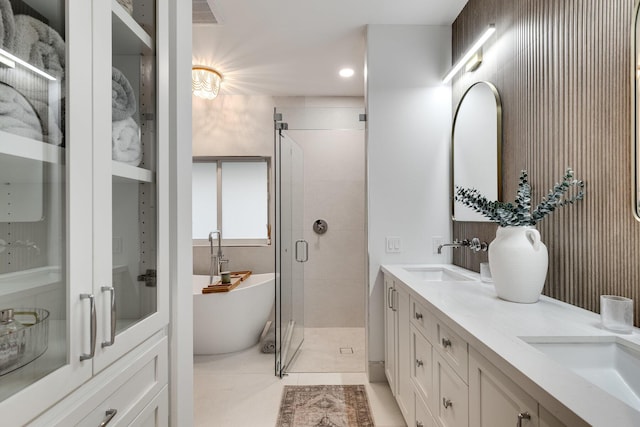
x=291 y=248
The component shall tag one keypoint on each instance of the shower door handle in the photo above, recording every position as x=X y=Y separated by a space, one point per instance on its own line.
x=305 y=252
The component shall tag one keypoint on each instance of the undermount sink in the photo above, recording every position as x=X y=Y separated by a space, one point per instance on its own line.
x=611 y=365
x=437 y=274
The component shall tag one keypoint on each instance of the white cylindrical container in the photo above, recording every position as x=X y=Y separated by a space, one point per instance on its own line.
x=518 y=260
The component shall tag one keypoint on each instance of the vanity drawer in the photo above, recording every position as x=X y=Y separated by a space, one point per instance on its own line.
x=453 y=349
x=130 y=398
x=451 y=406
x=421 y=364
x=423 y=415
x=422 y=319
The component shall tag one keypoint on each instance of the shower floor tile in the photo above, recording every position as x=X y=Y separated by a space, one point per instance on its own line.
x=331 y=350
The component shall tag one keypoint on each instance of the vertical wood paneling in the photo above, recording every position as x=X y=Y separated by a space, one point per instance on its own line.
x=562 y=68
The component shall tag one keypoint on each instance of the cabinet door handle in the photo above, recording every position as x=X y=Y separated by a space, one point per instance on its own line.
x=446 y=342
x=419 y=363
x=418 y=315
x=92 y=326
x=112 y=339
x=109 y=414
x=523 y=416
x=447 y=403
x=389 y=302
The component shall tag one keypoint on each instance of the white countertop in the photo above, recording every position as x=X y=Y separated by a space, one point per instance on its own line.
x=493 y=327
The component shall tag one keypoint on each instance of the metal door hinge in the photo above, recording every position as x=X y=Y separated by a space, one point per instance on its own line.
x=149 y=278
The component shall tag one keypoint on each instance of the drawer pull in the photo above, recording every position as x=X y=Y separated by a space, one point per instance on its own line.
x=523 y=416
x=419 y=424
x=447 y=403
x=109 y=414
x=446 y=342
x=419 y=363
x=418 y=315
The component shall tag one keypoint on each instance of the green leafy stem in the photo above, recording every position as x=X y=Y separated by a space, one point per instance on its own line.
x=564 y=193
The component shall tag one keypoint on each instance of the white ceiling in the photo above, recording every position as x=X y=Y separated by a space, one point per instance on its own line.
x=296 y=47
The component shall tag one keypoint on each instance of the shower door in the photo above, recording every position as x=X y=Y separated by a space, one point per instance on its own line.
x=291 y=250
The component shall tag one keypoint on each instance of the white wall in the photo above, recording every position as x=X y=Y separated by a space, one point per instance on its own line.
x=408 y=127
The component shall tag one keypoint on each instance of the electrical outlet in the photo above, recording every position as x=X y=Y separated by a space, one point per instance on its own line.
x=436 y=242
x=393 y=245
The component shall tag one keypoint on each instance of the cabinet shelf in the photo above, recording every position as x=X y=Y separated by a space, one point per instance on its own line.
x=30 y=149
x=125 y=171
x=129 y=38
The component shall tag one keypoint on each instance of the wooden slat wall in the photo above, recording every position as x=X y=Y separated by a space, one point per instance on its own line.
x=563 y=70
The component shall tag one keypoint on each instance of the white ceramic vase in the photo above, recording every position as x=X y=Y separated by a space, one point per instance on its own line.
x=518 y=262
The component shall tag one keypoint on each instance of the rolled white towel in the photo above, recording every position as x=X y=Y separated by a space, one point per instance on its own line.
x=17 y=115
x=7 y=25
x=123 y=100
x=126 y=145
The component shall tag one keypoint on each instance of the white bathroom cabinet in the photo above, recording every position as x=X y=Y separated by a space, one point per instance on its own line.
x=95 y=253
x=398 y=337
x=452 y=384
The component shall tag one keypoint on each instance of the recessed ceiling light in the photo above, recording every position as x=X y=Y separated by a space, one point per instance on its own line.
x=346 y=72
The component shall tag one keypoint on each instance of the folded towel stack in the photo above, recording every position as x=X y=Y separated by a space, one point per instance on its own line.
x=7 y=25
x=125 y=135
x=40 y=45
x=128 y=5
x=17 y=115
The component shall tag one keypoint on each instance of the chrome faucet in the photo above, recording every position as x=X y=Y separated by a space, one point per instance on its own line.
x=474 y=244
x=216 y=260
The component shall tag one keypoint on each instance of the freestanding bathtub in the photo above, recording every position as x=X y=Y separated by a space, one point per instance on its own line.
x=231 y=321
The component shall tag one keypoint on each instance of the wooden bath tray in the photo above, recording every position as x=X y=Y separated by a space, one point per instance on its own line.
x=236 y=278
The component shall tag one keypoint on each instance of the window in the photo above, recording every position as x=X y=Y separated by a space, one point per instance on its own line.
x=232 y=195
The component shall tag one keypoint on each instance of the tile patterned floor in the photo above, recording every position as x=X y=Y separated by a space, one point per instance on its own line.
x=240 y=389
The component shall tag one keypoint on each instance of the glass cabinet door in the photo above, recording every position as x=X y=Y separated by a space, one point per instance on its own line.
x=44 y=323
x=127 y=133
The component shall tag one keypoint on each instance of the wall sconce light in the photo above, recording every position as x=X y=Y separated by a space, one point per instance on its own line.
x=470 y=53
x=205 y=82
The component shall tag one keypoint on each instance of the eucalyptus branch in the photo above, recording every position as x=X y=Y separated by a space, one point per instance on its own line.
x=508 y=214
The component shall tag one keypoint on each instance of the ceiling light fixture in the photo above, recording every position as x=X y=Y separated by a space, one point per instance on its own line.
x=346 y=72
x=467 y=56
x=205 y=82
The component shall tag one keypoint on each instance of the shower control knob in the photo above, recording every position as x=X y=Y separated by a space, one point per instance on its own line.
x=320 y=226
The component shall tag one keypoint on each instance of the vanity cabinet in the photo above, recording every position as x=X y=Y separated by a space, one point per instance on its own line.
x=423 y=416
x=397 y=347
x=84 y=235
x=453 y=385
x=495 y=400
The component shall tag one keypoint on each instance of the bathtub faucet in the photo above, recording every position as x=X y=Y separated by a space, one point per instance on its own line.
x=216 y=260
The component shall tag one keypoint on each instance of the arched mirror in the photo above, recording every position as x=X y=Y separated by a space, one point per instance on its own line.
x=477 y=147
x=636 y=119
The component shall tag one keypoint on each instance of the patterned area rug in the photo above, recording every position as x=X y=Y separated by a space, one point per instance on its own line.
x=325 y=406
